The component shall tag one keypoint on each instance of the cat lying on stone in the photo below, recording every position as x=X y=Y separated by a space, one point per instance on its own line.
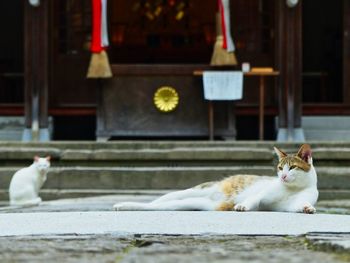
x=26 y=183
x=293 y=190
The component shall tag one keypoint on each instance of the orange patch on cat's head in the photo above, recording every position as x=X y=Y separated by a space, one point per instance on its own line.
x=301 y=159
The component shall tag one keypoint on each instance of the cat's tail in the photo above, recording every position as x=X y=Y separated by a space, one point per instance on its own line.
x=189 y=204
x=132 y=206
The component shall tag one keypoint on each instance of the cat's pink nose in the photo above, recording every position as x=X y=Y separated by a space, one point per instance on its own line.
x=284 y=177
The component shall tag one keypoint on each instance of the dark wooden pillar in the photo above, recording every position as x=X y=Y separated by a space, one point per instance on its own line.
x=346 y=51
x=36 y=70
x=289 y=63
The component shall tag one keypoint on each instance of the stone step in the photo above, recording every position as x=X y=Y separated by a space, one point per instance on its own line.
x=16 y=156
x=138 y=157
x=180 y=153
x=111 y=166
x=123 y=195
x=133 y=177
x=134 y=145
x=329 y=128
x=140 y=144
x=337 y=178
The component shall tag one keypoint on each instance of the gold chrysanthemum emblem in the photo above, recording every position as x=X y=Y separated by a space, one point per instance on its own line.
x=166 y=99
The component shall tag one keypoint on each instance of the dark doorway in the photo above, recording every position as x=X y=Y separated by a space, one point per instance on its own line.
x=322 y=51
x=164 y=32
x=11 y=52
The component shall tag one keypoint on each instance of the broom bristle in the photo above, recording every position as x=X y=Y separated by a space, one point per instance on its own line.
x=220 y=55
x=99 y=66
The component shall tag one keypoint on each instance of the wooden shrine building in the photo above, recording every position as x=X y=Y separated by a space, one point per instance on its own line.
x=44 y=57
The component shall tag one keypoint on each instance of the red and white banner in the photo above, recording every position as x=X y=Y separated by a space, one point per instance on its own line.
x=224 y=8
x=99 y=38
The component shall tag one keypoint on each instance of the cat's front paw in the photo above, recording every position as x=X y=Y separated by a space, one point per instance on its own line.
x=240 y=208
x=309 y=209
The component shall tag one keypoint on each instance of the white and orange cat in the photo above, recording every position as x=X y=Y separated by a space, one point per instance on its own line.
x=26 y=183
x=293 y=190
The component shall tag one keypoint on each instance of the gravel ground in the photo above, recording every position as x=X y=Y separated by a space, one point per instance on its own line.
x=165 y=249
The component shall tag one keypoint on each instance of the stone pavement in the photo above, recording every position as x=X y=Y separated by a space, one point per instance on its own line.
x=167 y=249
x=170 y=223
x=163 y=249
x=94 y=215
x=86 y=230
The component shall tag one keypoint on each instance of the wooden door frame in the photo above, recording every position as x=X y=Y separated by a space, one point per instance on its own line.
x=36 y=67
x=346 y=51
x=289 y=63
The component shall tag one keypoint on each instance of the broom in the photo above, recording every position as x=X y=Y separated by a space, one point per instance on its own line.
x=223 y=53
x=99 y=64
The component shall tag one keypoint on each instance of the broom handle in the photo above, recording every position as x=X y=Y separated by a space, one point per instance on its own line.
x=218 y=24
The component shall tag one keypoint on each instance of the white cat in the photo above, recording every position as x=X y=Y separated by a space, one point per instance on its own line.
x=26 y=183
x=293 y=190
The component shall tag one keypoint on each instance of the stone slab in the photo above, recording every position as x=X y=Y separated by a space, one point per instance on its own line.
x=135 y=177
x=161 y=249
x=330 y=242
x=180 y=153
x=170 y=223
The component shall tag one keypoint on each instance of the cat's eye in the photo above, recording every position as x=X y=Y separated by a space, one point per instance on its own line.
x=280 y=168
x=292 y=167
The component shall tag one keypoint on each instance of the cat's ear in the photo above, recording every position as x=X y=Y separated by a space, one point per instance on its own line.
x=305 y=153
x=36 y=158
x=279 y=153
x=48 y=158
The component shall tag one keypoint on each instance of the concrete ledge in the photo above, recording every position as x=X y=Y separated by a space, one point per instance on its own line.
x=170 y=223
x=326 y=194
x=139 y=145
x=134 y=145
x=27 y=153
x=135 y=177
x=328 y=128
x=332 y=179
x=221 y=151
x=329 y=242
x=331 y=153
x=193 y=153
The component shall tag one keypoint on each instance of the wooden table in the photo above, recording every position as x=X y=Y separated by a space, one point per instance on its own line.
x=261 y=75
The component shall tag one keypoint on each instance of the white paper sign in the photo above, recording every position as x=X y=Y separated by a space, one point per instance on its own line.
x=223 y=85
